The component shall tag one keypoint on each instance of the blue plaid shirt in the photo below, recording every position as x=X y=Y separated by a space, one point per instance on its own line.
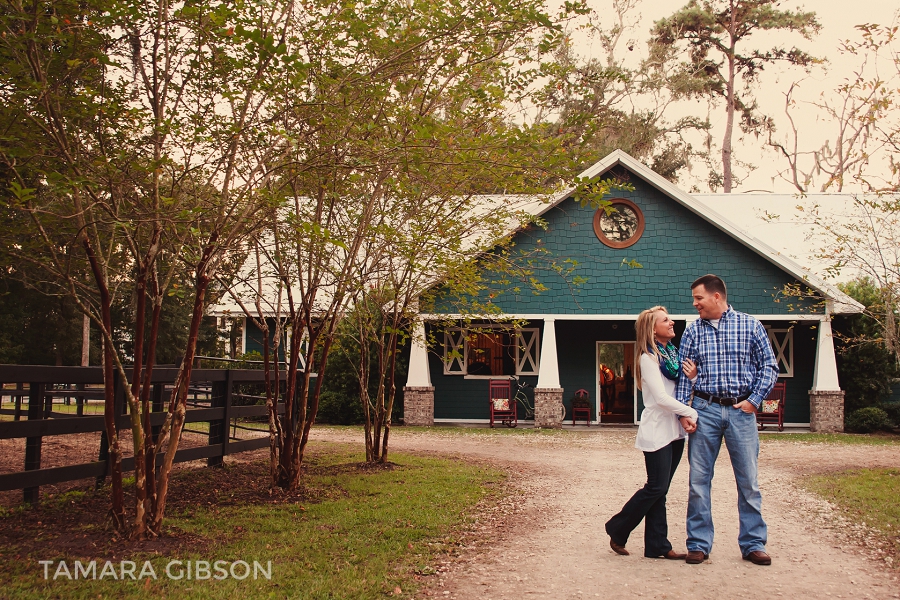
x=734 y=360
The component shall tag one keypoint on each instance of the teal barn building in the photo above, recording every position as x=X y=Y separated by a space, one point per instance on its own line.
x=579 y=340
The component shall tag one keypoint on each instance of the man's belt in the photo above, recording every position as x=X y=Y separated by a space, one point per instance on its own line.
x=722 y=401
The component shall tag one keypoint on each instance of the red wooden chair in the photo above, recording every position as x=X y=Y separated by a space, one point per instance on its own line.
x=581 y=406
x=502 y=404
x=771 y=412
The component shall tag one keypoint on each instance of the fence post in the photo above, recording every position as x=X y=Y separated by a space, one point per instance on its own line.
x=219 y=430
x=33 y=444
x=80 y=400
x=48 y=399
x=18 y=414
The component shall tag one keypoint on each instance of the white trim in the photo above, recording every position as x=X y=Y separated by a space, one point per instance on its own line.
x=825 y=376
x=303 y=349
x=784 y=350
x=634 y=390
x=454 y=345
x=288 y=334
x=595 y=317
x=528 y=351
x=478 y=421
x=244 y=337
x=419 y=374
x=532 y=355
x=548 y=376
x=603 y=426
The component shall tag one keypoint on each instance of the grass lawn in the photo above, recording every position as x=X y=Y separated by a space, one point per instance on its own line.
x=522 y=430
x=868 y=496
x=350 y=532
x=885 y=439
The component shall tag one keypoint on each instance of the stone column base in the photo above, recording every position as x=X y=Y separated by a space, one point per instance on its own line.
x=548 y=407
x=418 y=406
x=826 y=411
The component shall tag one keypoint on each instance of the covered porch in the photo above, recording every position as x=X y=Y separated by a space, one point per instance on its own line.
x=595 y=353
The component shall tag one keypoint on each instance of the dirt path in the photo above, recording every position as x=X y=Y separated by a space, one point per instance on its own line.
x=572 y=483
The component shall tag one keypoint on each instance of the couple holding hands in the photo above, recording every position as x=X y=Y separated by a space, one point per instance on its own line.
x=726 y=363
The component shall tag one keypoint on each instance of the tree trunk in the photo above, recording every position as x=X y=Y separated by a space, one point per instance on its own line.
x=287 y=475
x=86 y=341
x=890 y=324
x=149 y=441
x=272 y=392
x=727 y=177
x=363 y=381
x=117 y=509
x=177 y=406
x=310 y=414
x=390 y=394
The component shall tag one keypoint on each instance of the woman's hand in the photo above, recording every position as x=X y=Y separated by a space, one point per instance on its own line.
x=689 y=425
x=689 y=367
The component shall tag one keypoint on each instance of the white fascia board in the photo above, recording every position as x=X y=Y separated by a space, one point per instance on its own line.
x=478 y=421
x=595 y=317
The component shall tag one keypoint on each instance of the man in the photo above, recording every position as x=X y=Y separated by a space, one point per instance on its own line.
x=736 y=371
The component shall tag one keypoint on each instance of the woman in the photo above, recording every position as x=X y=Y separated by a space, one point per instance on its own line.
x=660 y=435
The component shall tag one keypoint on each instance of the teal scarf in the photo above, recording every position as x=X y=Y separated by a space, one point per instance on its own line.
x=669 y=363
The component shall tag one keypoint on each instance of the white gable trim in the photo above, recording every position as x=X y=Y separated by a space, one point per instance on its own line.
x=612 y=317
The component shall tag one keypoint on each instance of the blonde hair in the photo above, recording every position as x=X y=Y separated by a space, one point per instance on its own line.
x=646 y=340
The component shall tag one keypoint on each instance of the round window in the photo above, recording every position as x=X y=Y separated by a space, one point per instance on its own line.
x=620 y=224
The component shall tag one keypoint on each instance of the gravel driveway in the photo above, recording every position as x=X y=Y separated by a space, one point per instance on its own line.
x=569 y=483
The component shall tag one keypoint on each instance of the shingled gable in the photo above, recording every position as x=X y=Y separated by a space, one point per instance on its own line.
x=567 y=331
x=842 y=303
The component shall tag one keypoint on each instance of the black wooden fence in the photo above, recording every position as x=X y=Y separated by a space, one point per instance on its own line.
x=38 y=388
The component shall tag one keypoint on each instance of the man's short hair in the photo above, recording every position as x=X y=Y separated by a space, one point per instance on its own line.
x=712 y=284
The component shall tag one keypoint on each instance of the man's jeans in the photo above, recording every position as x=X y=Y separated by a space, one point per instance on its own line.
x=742 y=440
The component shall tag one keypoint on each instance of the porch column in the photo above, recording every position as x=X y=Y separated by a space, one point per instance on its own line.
x=418 y=394
x=548 y=395
x=826 y=399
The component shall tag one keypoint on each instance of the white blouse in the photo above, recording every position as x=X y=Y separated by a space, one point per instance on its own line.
x=659 y=420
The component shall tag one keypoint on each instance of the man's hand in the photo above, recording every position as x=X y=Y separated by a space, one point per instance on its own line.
x=690 y=426
x=746 y=406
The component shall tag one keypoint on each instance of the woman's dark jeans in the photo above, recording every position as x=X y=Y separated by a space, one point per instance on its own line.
x=649 y=503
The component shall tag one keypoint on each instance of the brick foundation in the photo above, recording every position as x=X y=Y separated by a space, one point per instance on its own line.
x=826 y=412
x=418 y=406
x=548 y=407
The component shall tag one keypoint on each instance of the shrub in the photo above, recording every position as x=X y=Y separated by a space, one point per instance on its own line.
x=867 y=420
x=893 y=412
x=337 y=408
x=866 y=367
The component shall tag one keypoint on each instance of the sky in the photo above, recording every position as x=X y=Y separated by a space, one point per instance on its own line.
x=768 y=192
x=838 y=20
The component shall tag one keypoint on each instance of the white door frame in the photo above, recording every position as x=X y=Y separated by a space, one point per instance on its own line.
x=597 y=379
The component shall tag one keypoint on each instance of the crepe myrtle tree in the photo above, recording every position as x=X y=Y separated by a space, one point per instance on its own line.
x=135 y=135
x=425 y=239
x=399 y=116
x=717 y=38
